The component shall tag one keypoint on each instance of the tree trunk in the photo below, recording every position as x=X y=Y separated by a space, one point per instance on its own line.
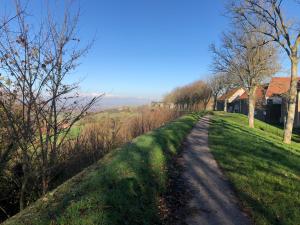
x=45 y=183
x=25 y=178
x=289 y=123
x=215 y=103
x=225 y=105
x=251 y=106
x=23 y=192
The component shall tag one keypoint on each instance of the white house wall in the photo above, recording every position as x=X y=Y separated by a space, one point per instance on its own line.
x=237 y=94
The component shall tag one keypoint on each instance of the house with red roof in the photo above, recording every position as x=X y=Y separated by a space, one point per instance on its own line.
x=271 y=101
x=276 y=99
x=227 y=102
x=237 y=101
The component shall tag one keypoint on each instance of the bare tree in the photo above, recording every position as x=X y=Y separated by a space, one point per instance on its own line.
x=193 y=96
x=18 y=92
x=205 y=94
x=40 y=106
x=7 y=146
x=247 y=57
x=217 y=83
x=6 y=20
x=61 y=109
x=267 y=18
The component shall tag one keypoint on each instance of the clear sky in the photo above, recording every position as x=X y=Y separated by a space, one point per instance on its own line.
x=145 y=48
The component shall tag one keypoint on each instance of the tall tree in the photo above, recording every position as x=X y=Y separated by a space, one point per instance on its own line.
x=40 y=105
x=248 y=58
x=266 y=17
x=7 y=146
x=217 y=83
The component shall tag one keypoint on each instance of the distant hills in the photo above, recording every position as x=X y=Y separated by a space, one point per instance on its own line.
x=110 y=101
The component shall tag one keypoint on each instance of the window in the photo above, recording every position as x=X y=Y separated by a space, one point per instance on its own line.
x=270 y=101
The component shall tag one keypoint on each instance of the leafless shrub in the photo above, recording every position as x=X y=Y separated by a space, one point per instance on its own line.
x=98 y=138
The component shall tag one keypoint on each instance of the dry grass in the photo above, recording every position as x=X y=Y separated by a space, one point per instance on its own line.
x=121 y=188
x=98 y=138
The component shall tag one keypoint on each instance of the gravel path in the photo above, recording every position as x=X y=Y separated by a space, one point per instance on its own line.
x=212 y=199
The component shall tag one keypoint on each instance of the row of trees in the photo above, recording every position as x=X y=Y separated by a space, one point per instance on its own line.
x=247 y=59
x=38 y=107
x=190 y=97
x=267 y=19
x=248 y=53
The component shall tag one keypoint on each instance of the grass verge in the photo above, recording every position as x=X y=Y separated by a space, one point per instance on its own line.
x=122 y=188
x=264 y=171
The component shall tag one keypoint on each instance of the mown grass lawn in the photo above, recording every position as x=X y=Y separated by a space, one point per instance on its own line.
x=122 y=188
x=264 y=171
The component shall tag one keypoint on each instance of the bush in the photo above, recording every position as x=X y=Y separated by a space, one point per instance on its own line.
x=89 y=141
x=122 y=188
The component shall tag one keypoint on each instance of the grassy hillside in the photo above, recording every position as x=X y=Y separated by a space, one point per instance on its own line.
x=264 y=171
x=122 y=188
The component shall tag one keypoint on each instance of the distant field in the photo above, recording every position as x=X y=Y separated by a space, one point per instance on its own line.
x=264 y=171
x=99 y=117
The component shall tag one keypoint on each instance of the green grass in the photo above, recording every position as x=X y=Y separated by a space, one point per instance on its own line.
x=122 y=188
x=264 y=171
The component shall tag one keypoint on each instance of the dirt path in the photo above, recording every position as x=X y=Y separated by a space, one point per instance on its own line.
x=212 y=199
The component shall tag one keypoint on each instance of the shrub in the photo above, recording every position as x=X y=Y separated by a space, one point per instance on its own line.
x=121 y=188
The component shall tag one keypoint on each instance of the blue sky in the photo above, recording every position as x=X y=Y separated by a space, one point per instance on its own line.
x=145 y=48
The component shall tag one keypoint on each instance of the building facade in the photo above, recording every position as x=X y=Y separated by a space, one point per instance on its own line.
x=271 y=101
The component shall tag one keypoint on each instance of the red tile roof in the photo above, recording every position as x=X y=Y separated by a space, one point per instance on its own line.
x=260 y=93
x=228 y=94
x=278 y=86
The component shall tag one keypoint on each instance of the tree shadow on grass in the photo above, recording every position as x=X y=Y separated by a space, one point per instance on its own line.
x=262 y=146
x=122 y=188
x=265 y=168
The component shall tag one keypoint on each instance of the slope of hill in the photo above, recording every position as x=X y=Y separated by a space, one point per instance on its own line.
x=122 y=188
x=264 y=171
